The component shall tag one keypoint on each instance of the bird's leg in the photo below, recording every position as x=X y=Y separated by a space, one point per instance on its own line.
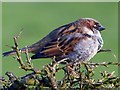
x=56 y=63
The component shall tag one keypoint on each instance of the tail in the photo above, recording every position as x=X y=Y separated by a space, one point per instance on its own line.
x=31 y=49
x=12 y=52
x=9 y=53
x=34 y=48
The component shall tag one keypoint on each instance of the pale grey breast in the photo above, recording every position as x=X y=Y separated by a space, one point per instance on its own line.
x=87 y=48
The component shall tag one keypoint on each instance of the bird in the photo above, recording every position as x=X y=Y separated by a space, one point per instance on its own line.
x=77 y=41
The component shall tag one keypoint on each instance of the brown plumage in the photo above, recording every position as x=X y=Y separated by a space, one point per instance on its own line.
x=78 y=41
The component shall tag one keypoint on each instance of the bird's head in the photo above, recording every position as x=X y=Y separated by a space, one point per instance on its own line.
x=92 y=24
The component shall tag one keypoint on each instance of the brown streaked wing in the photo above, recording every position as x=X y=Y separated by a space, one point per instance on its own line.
x=69 y=38
x=68 y=45
x=63 y=44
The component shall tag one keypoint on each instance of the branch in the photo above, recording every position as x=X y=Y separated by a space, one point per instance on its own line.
x=75 y=76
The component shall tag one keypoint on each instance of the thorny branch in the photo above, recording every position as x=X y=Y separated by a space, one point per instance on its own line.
x=74 y=76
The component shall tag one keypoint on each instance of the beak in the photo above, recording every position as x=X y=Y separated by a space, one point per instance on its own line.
x=101 y=28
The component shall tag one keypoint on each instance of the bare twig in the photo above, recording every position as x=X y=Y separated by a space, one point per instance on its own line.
x=74 y=75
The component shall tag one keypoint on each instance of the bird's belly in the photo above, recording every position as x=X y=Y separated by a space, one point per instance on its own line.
x=84 y=51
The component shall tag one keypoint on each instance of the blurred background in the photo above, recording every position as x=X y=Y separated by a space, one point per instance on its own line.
x=38 y=19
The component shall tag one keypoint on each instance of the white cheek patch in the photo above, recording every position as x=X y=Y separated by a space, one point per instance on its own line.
x=88 y=31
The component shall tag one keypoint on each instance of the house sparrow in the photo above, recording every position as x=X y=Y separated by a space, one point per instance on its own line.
x=77 y=41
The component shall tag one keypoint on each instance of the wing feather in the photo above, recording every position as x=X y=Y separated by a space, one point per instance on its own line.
x=67 y=37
